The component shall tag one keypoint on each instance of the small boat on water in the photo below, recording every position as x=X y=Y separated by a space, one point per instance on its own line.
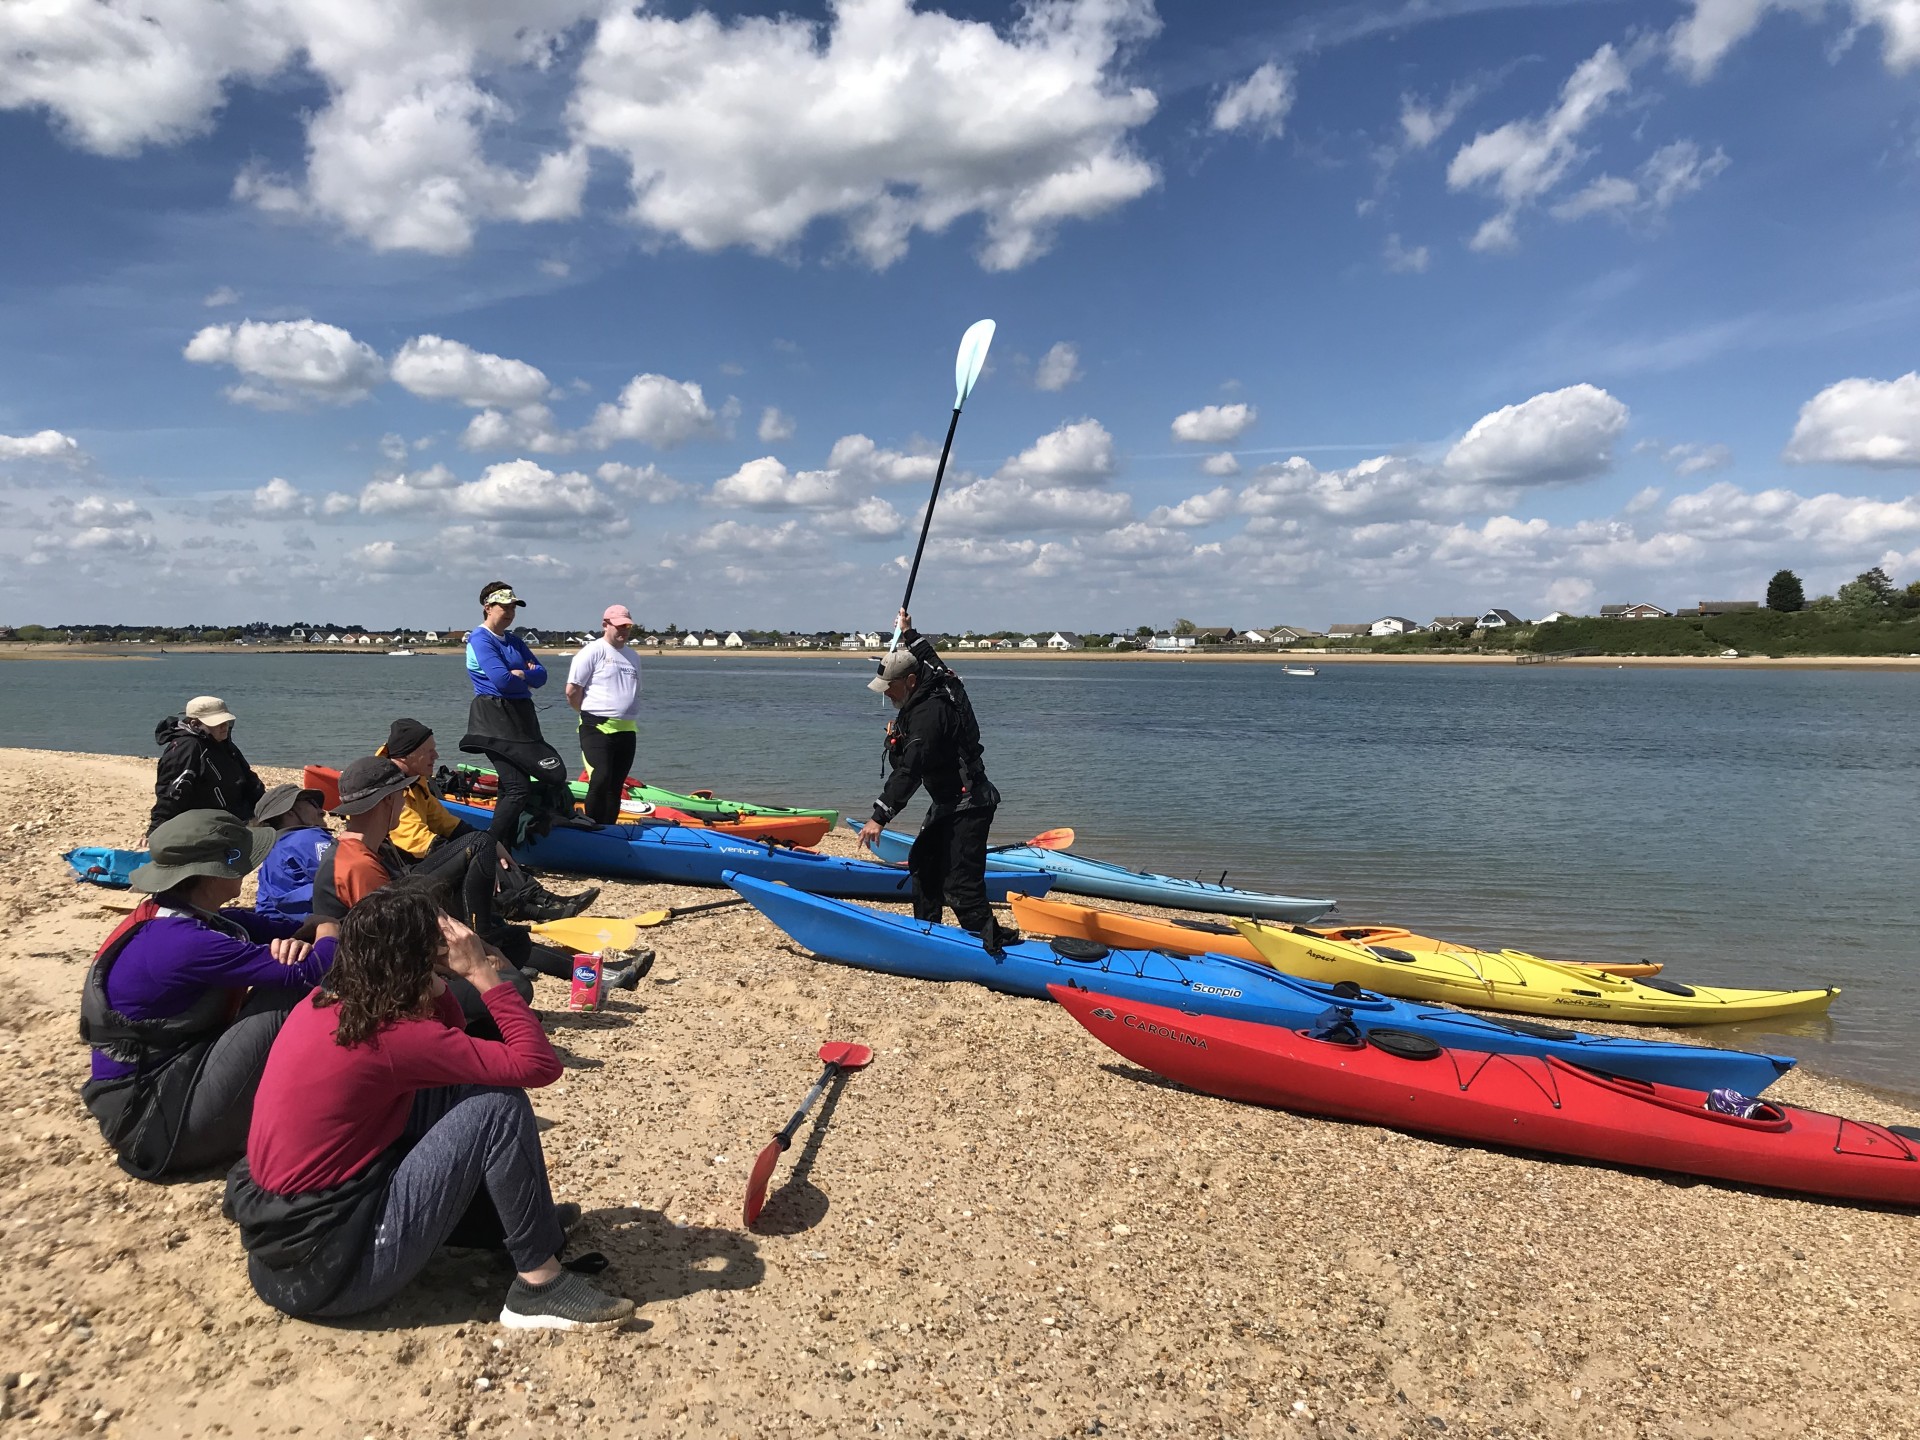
x=399 y=652
x=1305 y=672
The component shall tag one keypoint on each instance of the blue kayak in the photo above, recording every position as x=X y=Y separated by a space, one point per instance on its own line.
x=1219 y=985
x=689 y=855
x=1078 y=875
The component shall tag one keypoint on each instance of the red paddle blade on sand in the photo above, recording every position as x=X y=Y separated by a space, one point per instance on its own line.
x=1059 y=839
x=838 y=1056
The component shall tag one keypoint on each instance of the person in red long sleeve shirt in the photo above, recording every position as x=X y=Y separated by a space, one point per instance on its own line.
x=380 y=1126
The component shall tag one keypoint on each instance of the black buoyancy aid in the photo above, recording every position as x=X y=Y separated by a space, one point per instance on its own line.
x=965 y=785
x=140 y=1114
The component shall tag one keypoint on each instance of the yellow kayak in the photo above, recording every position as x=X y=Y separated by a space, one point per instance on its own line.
x=1200 y=937
x=1520 y=983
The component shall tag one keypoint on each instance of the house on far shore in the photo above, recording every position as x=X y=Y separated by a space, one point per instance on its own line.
x=1027 y=642
x=1393 y=625
x=1640 y=610
x=1556 y=616
x=1455 y=622
x=1499 y=620
x=1348 y=632
x=1162 y=641
x=1061 y=640
x=734 y=642
x=1287 y=634
x=690 y=641
x=1251 y=637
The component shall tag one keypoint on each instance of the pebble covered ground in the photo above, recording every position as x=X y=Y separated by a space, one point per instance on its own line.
x=998 y=1229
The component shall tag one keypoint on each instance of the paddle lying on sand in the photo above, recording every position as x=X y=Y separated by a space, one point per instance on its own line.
x=839 y=1057
x=967 y=366
x=596 y=932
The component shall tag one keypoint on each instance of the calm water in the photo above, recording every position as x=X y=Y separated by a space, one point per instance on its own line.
x=1747 y=827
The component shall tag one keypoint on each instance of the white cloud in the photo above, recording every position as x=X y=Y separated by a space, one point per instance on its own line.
x=870 y=464
x=656 y=411
x=1058 y=368
x=96 y=512
x=530 y=427
x=1002 y=503
x=1571 y=594
x=1404 y=261
x=1562 y=435
x=284 y=363
x=437 y=369
x=423 y=491
x=279 y=500
x=886 y=118
x=1078 y=454
x=1689 y=459
x=1224 y=463
x=775 y=425
x=1671 y=173
x=42 y=445
x=766 y=484
x=1524 y=159
x=1723 y=512
x=1203 y=509
x=384 y=557
x=640 y=482
x=869 y=519
x=520 y=490
x=395 y=154
x=1421 y=124
x=1861 y=422
x=220 y=296
x=1214 y=424
x=731 y=537
x=1258 y=103
x=1699 y=42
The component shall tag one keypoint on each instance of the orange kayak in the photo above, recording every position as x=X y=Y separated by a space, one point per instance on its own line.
x=1199 y=937
x=800 y=830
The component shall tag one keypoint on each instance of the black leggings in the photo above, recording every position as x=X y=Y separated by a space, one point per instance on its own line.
x=949 y=865
x=463 y=873
x=609 y=757
x=214 y=1131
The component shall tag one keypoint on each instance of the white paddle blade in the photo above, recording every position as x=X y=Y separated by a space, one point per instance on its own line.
x=971 y=360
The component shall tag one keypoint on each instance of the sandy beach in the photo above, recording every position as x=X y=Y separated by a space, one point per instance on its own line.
x=998 y=1229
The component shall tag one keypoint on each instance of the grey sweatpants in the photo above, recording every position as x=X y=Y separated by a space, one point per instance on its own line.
x=466 y=1137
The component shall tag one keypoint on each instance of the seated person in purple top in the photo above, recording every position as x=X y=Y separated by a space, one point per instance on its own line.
x=286 y=875
x=183 y=1001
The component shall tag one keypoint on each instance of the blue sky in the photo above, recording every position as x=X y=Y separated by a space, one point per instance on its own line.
x=1307 y=313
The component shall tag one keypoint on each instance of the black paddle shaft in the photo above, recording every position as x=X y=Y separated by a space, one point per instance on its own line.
x=787 y=1131
x=906 y=601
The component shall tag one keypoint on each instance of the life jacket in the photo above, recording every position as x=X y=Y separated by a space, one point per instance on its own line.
x=141 y=1114
x=940 y=685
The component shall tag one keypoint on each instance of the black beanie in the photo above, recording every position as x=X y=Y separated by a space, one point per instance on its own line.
x=406 y=736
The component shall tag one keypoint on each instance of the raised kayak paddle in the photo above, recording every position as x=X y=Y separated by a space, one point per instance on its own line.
x=967 y=366
x=839 y=1056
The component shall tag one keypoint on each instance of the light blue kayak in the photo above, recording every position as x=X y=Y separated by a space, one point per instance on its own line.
x=1078 y=875
x=897 y=944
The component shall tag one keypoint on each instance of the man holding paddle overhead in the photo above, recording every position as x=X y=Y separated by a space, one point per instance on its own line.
x=935 y=741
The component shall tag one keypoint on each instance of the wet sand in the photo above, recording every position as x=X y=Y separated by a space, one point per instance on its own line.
x=998 y=1229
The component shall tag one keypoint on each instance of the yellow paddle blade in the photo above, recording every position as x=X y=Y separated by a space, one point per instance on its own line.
x=590 y=934
x=1059 y=839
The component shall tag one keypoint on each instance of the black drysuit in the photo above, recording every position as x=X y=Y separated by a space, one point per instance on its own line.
x=935 y=741
x=198 y=772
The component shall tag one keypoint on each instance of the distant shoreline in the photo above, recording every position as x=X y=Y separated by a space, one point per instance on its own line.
x=107 y=651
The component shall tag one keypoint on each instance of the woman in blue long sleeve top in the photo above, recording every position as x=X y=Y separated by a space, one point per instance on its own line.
x=183 y=1001
x=503 y=725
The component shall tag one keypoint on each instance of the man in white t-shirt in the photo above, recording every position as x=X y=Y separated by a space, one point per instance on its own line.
x=603 y=684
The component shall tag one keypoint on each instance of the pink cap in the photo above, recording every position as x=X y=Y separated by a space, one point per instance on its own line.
x=618 y=614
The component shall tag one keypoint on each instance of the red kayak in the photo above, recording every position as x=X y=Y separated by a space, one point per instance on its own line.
x=1522 y=1102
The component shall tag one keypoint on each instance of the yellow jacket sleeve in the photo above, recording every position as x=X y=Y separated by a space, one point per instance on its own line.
x=423 y=821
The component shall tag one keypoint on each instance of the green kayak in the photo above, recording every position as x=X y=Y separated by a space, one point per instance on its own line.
x=702 y=806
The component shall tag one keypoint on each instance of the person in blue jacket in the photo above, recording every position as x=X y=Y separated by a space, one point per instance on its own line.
x=503 y=725
x=286 y=875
